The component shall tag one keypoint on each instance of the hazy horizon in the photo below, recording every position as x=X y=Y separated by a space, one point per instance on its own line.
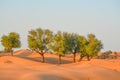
x=100 y=17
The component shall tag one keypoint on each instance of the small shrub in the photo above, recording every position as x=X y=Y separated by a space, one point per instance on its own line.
x=1 y=51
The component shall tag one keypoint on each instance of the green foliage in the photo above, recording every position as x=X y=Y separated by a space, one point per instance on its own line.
x=58 y=44
x=83 y=44
x=39 y=39
x=94 y=45
x=11 y=41
x=71 y=43
x=89 y=47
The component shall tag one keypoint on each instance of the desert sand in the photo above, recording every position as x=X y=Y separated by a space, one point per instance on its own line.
x=26 y=65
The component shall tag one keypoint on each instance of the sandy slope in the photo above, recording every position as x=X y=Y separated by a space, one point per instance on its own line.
x=30 y=68
x=23 y=53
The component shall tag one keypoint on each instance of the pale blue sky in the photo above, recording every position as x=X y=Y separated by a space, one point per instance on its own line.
x=101 y=17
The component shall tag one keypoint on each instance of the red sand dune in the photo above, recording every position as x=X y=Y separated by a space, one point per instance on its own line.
x=28 y=68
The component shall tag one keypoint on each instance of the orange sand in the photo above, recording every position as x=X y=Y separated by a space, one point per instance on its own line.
x=29 y=67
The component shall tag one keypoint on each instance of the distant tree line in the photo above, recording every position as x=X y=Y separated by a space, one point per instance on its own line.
x=60 y=43
x=107 y=55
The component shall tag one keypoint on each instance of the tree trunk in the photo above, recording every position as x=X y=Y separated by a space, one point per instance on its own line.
x=81 y=57
x=88 y=57
x=43 y=58
x=42 y=55
x=59 y=59
x=11 y=51
x=74 y=56
x=91 y=57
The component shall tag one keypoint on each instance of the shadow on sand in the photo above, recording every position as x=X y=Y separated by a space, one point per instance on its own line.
x=52 y=60
x=49 y=60
x=52 y=77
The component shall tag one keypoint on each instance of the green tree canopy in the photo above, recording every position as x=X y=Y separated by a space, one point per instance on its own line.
x=58 y=45
x=71 y=43
x=11 y=41
x=89 y=47
x=61 y=43
x=39 y=40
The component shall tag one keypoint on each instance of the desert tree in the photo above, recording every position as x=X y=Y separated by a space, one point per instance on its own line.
x=72 y=44
x=39 y=40
x=58 y=45
x=94 y=46
x=11 y=41
x=90 y=46
x=82 y=48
